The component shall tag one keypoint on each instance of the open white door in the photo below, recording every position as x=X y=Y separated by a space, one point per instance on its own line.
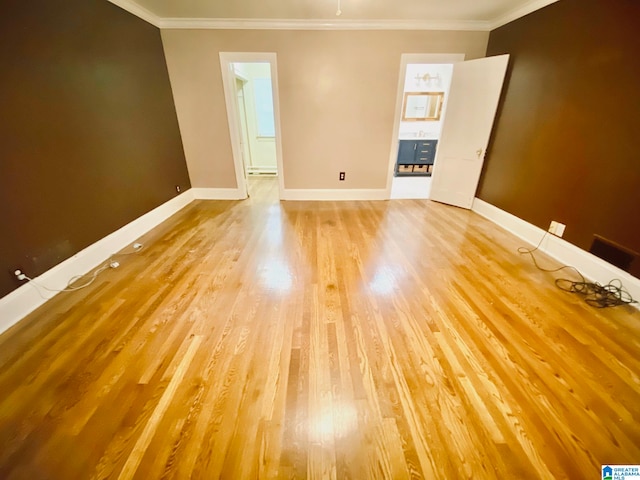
x=473 y=101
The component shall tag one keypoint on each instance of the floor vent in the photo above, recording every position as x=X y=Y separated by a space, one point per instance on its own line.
x=613 y=253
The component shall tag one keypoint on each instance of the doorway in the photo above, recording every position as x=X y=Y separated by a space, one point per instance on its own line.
x=423 y=90
x=251 y=95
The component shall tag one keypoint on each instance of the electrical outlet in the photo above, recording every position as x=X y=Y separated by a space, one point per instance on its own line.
x=557 y=228
x=341 y=176
x=19 y=275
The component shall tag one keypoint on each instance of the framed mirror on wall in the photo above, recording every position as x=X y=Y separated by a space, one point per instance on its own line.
x=422 y=106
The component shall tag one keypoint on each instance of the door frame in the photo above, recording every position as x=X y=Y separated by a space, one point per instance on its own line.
x=228 y=83
x=244 y=129
x=406 y=59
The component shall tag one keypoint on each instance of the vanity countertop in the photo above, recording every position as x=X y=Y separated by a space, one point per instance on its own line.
x=416 y=137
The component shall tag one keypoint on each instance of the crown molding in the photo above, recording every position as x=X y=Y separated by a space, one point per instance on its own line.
x=140 y=12
x=519 y=12
x=316 y=24
x=329 y=24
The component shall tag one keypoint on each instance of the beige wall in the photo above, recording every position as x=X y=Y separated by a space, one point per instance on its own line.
x=337 y=98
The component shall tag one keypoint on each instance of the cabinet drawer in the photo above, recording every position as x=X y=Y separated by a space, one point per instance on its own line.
x=425 y=160
x=405 y=168
x=427 y=144
x=426 y=152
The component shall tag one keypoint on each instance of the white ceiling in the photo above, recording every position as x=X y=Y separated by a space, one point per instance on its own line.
x=449 y=14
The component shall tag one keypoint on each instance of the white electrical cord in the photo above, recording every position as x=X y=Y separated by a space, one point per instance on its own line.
x=339 y=11
x=68 y=288
x=111 y=263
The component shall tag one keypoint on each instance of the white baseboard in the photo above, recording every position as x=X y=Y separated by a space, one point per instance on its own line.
x=334 y=194
x=262 y=170
x=592 y=267
x=22 y=301
x=218 y=194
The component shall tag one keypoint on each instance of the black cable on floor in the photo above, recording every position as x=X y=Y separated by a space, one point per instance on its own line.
x=600 y=296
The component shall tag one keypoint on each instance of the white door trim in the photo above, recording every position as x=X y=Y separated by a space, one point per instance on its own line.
x=406 y=59
x=228 y=82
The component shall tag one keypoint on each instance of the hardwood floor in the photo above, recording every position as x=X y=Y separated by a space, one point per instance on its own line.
x=346 y=340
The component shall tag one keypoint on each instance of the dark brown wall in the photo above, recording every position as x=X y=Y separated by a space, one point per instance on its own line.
x=89 y=138
x=565 y=145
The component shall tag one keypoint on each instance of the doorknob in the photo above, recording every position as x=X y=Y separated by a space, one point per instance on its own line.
x=479 y=153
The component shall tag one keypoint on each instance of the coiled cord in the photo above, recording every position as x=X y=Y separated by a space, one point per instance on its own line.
x=612 y=294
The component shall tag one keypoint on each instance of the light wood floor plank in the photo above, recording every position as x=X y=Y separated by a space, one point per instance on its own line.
x=332 y=340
